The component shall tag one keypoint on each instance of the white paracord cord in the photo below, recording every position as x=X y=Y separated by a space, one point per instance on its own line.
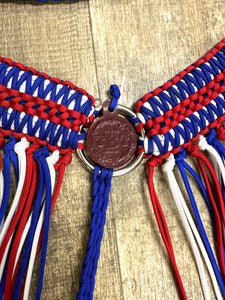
x=51 y=160
x=190 y=227
x=24 y=235
x=20 y=149
x=23 y=238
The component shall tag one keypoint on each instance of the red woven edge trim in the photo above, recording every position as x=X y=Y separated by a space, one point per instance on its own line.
x=215 y=124
x=181 y=107
x=177 y=78
x=46 y=76
x=31 y=101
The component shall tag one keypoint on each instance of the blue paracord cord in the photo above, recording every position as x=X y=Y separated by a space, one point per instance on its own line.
x=3 y=279
x=115 y=93
x=101 y=187
x=182 y=165
x=9 y=154
x=40 y=155
x=213 y=141
x=47 y=214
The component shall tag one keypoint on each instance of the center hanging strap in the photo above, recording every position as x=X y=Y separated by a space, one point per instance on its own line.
x=101 y=186
x=111 y=144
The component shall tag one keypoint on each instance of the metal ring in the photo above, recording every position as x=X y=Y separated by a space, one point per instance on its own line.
x=124 y=170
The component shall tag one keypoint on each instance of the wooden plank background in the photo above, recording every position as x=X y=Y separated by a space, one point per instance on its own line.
x=137 y=44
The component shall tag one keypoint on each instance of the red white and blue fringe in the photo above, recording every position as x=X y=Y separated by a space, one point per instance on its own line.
x=40 y=122
x=184 y=118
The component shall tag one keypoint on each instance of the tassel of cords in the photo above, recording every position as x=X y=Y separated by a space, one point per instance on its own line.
x=63 y=162
x=48 y=166
x=20 y=220
x=14 y=258
x=44 y=184
x=212 y=144
x=215 y=157
x=101 y=187
x=51 y=161
x=9 y=154
x=215 y=198
x=183 y=167
x=216 y=202
x=191 y=231
x=19 y=148
x=152 y=163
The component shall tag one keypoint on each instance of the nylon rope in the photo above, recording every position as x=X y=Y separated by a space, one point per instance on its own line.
x=47 y=114
x=101 y=186
x=191 y=230
x=182 y=165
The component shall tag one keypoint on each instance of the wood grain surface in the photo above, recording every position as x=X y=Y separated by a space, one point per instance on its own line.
x=137 y=44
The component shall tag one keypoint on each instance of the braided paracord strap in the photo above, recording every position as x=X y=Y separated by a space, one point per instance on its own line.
x=188 y=104
x=32 y=104
x=41 y=108
x=101 y=188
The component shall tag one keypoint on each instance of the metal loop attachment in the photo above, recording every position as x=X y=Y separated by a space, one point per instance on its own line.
x=135 y=159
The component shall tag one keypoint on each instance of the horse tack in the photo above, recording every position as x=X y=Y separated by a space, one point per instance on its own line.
x=43 y=120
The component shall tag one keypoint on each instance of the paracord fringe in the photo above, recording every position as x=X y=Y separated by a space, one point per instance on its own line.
x=184 y=110
x=48 y=113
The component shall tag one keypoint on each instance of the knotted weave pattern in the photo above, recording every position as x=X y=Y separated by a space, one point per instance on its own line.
x=185 y=106
x=101 y=187
x=42 y=108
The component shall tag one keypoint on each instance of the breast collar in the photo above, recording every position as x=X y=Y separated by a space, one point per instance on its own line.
x=43 y=120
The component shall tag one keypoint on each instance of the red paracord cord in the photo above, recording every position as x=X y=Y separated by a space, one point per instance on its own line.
x=19 y=210
x=28 y=192
x=60 y=166
x=163 y=226
x=219 y=212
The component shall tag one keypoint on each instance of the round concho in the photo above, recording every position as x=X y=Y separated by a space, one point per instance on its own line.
x=111 y=140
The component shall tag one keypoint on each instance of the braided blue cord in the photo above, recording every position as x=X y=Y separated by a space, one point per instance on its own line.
x=101 y=187
x=39 y=155
x=182 y=165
